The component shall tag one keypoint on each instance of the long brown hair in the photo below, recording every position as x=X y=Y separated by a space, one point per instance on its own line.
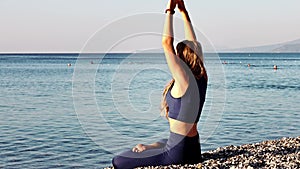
x=191 y=53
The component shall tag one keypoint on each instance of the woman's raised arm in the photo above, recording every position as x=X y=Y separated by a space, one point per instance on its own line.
x=173 y=61
x=188 y=27
x=168 y=34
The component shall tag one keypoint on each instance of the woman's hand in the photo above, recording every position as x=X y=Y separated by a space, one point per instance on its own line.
x=143 y=147
x=139 y=148
x=171 y=5
x=180 y=5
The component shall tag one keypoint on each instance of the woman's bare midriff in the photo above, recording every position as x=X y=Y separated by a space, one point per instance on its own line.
x=182 y=128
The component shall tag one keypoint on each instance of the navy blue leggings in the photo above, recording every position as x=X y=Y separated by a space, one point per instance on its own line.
x=179 y=149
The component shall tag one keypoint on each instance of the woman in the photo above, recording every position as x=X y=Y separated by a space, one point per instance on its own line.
x=182 y=101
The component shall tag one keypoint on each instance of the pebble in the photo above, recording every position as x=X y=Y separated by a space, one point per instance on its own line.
x=282 y=153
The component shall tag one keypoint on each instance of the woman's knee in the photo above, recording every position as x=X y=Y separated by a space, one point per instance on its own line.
x=120 y=162
x=115 y=162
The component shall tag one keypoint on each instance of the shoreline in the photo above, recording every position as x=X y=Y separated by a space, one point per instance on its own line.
x=281 y=153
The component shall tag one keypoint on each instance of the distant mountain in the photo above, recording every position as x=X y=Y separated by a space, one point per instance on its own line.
x=287 y=47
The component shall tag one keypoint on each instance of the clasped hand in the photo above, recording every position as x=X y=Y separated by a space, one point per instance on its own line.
x=179 y=3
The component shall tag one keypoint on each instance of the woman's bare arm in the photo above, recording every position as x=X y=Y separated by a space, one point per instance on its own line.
x=173 y=61
x=188 y=27
x=143 y=147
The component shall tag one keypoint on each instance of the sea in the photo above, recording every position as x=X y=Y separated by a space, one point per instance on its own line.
x=80 y=110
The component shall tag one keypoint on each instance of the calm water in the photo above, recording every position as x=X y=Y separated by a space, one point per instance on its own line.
x=56 y=116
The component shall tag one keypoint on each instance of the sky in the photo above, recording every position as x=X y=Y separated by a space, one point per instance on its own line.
x=67 y=25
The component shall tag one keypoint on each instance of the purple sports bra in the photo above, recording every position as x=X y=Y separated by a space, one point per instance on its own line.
x=188 y=107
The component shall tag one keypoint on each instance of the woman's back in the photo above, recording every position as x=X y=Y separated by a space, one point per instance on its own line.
x=185 y=108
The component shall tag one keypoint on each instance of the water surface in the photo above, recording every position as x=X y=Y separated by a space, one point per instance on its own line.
x=39 y=127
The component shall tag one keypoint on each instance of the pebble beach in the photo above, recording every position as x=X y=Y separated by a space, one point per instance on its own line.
x=282 y=153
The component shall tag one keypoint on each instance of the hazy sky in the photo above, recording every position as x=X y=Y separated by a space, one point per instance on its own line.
x=65 y=25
